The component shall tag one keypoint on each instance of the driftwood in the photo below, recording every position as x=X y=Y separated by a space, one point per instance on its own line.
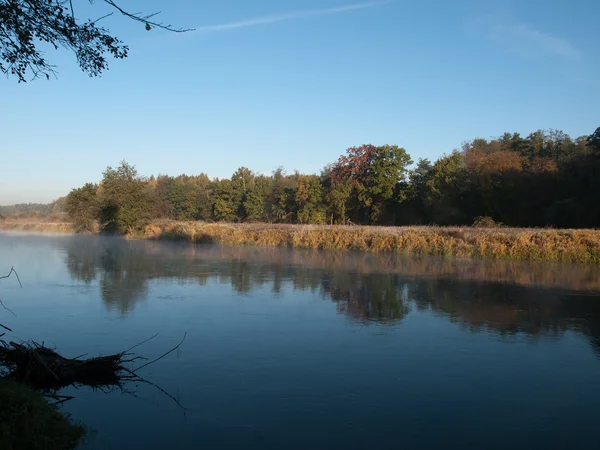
x=43 y=369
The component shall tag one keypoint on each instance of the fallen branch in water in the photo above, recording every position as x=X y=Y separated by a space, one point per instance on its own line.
x=162 y=356
x=43 y=369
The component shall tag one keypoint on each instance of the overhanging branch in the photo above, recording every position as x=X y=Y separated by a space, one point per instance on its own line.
x=145 y=19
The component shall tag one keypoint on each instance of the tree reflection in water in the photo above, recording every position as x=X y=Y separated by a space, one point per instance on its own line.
x=500 y=296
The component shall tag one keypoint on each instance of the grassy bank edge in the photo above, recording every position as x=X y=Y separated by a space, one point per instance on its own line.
x=576 y=245
x=38 y=227
x=28 y=421
x=581 y=246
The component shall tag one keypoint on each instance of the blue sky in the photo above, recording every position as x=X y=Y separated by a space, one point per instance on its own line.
x=293 y=83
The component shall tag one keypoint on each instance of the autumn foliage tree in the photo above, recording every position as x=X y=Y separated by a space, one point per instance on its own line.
x=374 y=173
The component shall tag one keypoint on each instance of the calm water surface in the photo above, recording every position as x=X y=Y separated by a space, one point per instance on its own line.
x=311 y=350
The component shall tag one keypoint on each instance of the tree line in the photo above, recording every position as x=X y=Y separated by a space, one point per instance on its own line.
x=544 y=179
x=54 y=211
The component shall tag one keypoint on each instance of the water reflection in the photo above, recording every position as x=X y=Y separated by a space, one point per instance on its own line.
x=121 y=269
x=506 y=297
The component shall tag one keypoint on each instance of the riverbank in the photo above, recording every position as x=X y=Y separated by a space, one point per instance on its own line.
x=28 y=421
x=582 y=246
x=39 y=227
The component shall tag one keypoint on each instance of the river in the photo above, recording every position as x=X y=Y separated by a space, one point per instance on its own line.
x=291 y=349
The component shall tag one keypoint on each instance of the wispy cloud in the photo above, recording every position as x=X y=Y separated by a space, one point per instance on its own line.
x=525 y=38
x=256 y=21
x=525 y=35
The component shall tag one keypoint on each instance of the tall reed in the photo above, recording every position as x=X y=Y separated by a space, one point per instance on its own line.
x=502 y=243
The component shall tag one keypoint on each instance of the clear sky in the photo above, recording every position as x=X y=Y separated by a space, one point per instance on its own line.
x=293 y=83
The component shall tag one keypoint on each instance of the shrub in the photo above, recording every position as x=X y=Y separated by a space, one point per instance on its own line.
x=487 y=222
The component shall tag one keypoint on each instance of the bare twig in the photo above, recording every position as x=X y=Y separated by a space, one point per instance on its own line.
x=124 y=361
x=59 y=398
x=137 y=345
x=140 y=379
x=146 y=19
x=12 y=270
x=102 y=17
x=162 y=356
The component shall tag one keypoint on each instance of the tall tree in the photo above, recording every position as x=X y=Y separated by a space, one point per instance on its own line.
x=413 y=195
x=126 y=201
x=256 y=200
x=241 y=182
x=204 y=196
x=445 y=190
x=593 y=141
x=281 y=202
x=83 y=206
x=181 y=196
x=375 y=173
x=225 y=203
x=309 y=200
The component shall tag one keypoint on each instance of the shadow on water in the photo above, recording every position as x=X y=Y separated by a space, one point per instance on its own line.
x=505 y=297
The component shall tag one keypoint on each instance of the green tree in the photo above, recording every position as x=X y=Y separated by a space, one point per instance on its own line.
x=281 y=204
x=593 y=141
x=310 y=200
x=256 y=199
x=203 y=198
x=337 y=199
x=241 y=181
x=337 y=194
x=83 y=206
x=375 y=173
x=412 y=208
x=225 y=203
x=284 y=205
x=444 y=188
x=180 y=196
x=126 y=199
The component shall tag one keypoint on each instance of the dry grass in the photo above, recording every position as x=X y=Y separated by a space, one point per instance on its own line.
x=464 y=242
x=502 y=243
x=35 y=226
